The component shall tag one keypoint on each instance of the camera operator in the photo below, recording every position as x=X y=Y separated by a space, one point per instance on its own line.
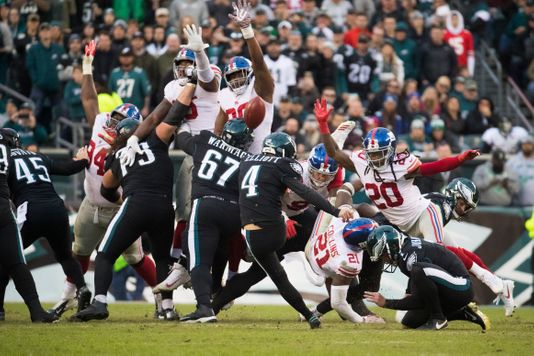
x=32 y=135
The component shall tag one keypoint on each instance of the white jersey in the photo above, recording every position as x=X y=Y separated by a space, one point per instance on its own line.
x=234 y=106
x=98 y=150
x=329 y=255
x=293 y=204
x=509 y=143
x=203 y=109
x=284 y=75
x=398 y=198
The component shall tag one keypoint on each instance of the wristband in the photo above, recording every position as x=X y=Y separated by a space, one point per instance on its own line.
x=247 y=32
x=87 y=69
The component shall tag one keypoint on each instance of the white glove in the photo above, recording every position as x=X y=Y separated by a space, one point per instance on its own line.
x=89 y=55
x=132 y=148
x=194 y=38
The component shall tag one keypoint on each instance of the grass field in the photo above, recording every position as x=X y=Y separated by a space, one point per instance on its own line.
x=272 y=330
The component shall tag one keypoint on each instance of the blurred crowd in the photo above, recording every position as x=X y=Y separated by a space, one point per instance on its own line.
x=403 y=64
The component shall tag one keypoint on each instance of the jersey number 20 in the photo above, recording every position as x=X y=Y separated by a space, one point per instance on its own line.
x=387 y=192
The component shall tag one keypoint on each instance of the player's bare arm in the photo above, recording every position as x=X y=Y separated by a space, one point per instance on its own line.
x=264 y=83
x=344 y=195
x=442 y=165
x=322 y=112
x=207 y=79
x=88 y=94
x=174 y=117
x=109 y=188
x=220 y=121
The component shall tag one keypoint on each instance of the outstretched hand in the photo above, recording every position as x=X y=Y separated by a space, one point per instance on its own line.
x=194 y=38
x=375 y=297
x=468 y=155
x=241 y=16
x=90 y=48
x=87 y=61
x=321 y=110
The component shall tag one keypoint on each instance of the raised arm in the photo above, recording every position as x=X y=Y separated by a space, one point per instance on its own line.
x=174 y=117
x=88 y=95
x=322 y=112
x=220 y=121
x=264 y=83
x=443 y=165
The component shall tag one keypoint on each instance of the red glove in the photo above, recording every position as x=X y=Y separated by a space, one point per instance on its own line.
x=322 y=112
x=291 y=230
x=90 y=48
x=468 y=155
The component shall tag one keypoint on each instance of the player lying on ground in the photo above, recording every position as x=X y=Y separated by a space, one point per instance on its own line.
x=12 y=260
x=201 y=116
x=387 y=178
x=439 y=287
x=146 y=205
x=41 y=212
x=95 y=212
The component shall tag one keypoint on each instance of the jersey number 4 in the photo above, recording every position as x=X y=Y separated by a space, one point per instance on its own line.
x=250 y=181
x=384 y=195
x=97 y=159
x=35 y=172
x=210 y=163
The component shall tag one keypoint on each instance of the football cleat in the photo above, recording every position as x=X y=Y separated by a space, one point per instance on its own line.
x=175 y=279
x=203 y=314
x=342 y=132
x=507 y=297
x=45 y=317
x=314 y=322
x=95 y=311
x=314 y=312
x=473 y=314
x=228 y=305
x=169 y=314
x=434 y=324
x=373 y=319
x=63 y=305
x=158 y=309
x=83 y=297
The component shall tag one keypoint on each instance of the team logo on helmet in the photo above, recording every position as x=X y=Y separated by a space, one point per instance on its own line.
x=237 y=74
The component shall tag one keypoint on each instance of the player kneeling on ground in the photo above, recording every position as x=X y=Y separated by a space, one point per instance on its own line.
x=439 y=289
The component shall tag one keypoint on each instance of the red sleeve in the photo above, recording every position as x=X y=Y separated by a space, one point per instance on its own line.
x=338 y=179
x=443 y=165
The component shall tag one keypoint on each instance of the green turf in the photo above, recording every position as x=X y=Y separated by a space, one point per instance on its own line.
x=269 y=330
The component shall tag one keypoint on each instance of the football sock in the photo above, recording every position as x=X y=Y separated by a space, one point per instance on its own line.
x=25 y=285
x=101 y=298
x=324 y=307
x=167 y=304
x=236 y=251
x=72 y=268
x=488 y=278
x=69 y=291
x=201 y=281
x=475 y=258
x=468 y=262
x=84 y=264
x=147 y=270
x=103 y=273
x=177 y=239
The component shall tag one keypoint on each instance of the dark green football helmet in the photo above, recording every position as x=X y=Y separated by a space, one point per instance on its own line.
x=10 y=137
x=465 y=189
x=279 y=144
x=236 y=133
x=385 y=242
x=126 y=127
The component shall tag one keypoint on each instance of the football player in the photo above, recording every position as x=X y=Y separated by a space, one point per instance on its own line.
x=337 y=255
x=146 y=204
x=439 y=287
x=190 y=60
x=246 y=80
x=12 y=262
x=41 y=212
x=95 y=212
x=262 y=181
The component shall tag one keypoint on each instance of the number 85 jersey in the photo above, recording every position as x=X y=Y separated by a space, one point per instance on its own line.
x=396 y=196
x=329 y=255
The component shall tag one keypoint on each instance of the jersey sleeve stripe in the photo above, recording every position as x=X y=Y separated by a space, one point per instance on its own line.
x=435 y=223
x=347 y=273
x=415 y=164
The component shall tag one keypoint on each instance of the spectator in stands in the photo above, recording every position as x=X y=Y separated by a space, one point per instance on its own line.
x=309 y=10
x=219 y=10
x=417 y=141
x=105 y=57
x=412 y=107
x=430 y=101
x=389 y=118
x=392 y=88
x=523 y=165
x=310 y=131
x=165 y=60
x=440 y=136
x=32 y=134
x=6 y=47
x=282 y=69
x=129 y=9
x=158 y=46
x=71 y=58
x=469 y=97
x=20 y=77
x=88 y=32
x=109 y=19
x=281 y=12
x=418 y=31
x=131 y=82
x=71 y=95
x=291 y=128
x=297 y=109
x=360 y=27
x=57 y=34
x=377 y=39
x=461 y=40
x=389 y=65
x=10 y=111
x=16 y=26
x=143 y=59
x=356 y=113
x=443 y=86
x=452 y=116
x=295 y=52
x=405 y=48
x=42 y=62
x=307 y=91
x=359 y=69
x=495 y=184
x=437 y=58
x=328 y=67
x=330 y=94
x=284 y=27
x=505 y=137
x=196 y=9
x=389 y=23
x=282 y=114
x=386 y=8
x=163 y=20
x=118 y=34
x=322 y=29
x=481 y=118
x=337 y=10
x=107 y=99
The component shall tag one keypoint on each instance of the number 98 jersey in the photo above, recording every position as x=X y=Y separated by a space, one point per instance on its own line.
x=329 y=255
x=397 y=197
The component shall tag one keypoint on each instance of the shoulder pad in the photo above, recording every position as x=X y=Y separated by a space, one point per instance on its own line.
x=296 y=167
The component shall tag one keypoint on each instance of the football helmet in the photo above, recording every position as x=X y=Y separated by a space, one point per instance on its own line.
x=462 y=188
x=237 y=74
x=10 y=137
x=121 y=112
x=321 y=167
x=126 y=127
x=279 y=144
x=179 y=69
x=236 y=133
x=385 y=241
x=356 y=232
x=379 y=147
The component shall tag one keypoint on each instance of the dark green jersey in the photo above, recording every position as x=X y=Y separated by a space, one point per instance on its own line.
x=132 y=86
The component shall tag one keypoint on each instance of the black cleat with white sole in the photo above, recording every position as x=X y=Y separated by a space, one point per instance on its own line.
x=203 y=314
x=95 y=311
x=314 y=322
x=473 y=314
x=84 y=298
x=434 y=324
